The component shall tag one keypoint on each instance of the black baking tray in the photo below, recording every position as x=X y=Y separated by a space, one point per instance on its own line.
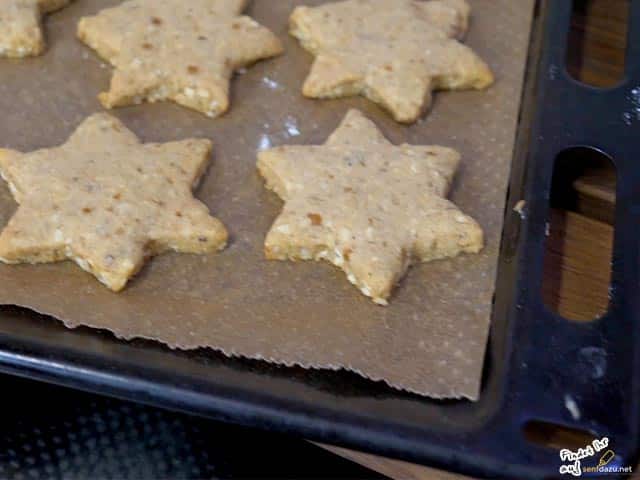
x=536 y=360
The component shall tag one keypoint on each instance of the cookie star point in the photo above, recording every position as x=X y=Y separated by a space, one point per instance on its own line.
x=394 y=52
x=185 y=52
x=356 y=127
x=21 y=26
x=107 y=201
x=367 y=206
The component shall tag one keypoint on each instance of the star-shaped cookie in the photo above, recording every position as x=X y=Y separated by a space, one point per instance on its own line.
x=179 y=50
x=20 y=26
x=394 y=52
x=366 y=205
x=107 y=201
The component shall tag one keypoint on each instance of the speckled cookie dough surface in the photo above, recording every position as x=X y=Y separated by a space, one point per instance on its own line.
x=429 y=340
x=367 y=206
x=394 y=52
x=20 y=26
x=107 y=202
x=184 y=51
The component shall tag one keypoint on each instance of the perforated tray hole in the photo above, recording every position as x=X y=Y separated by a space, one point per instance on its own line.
x=555 y=436
x=597 y=44
x=579 y=242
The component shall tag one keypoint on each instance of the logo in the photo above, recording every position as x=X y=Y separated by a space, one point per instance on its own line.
x=597 y=450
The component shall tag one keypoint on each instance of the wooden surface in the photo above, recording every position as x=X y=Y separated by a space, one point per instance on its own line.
x=579 y=242
x=597 y=41
x=395 y=469
x=577 y=260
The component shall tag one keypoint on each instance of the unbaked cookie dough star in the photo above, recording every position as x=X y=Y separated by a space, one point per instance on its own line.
x=107 y=201
x=394 y=52
x=20 y=26
x=366 y=205
x=180 y=50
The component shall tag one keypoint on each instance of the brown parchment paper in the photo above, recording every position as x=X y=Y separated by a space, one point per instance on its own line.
x=430 y=340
